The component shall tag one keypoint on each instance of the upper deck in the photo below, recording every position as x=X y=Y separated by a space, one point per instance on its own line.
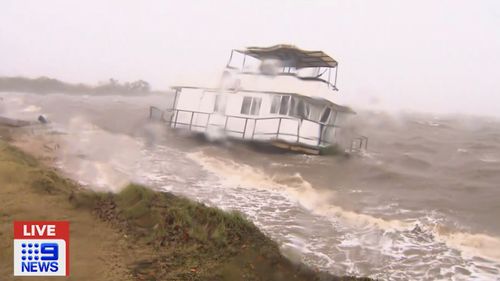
x=285 y=60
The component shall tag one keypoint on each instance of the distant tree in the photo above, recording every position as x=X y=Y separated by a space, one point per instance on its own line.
x=140 y=86
x=113 y=82
x=45 y=84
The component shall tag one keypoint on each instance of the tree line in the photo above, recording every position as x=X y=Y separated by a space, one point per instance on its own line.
x=46 y=85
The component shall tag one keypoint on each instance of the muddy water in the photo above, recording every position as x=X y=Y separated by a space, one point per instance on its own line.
x=421 y=204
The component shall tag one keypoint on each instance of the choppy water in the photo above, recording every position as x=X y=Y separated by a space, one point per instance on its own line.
x=422 y=204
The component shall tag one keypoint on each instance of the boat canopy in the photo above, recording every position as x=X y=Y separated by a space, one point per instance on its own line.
x=291 y=56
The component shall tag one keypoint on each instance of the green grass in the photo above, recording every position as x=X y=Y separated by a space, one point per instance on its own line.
x=163 y=217
x=199 y=242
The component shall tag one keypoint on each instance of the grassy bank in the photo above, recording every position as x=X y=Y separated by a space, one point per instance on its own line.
x=137 y=234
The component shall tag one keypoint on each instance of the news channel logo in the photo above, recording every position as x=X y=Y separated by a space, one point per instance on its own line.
x=41 y=248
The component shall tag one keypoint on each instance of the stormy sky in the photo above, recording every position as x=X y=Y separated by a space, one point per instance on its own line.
x=432 y=55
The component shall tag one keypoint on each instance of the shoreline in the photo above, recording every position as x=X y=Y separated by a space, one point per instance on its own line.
x=138 y=233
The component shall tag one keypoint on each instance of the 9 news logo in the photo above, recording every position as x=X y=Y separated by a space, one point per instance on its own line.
x=41 y=248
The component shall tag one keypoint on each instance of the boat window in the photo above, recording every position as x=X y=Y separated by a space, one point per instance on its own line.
x=325 y=115
x=284 y=105
x=251 y=105
x=245 y=106
x=333 y=117
x=255 y=108
x=302 y=109
x=292 y=108
x=315 y=112
x=299 y=108
x=275 y=105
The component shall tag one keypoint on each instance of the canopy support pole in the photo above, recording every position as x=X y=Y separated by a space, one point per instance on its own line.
x=230 y=59
x=335 y=83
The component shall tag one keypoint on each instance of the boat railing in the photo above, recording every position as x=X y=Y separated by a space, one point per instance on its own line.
x=156 y=113
x=359 y=144
x=245 y=132
x=295 y=75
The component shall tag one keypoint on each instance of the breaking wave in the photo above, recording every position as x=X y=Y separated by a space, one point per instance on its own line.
x=412 y=233
x=293 y=186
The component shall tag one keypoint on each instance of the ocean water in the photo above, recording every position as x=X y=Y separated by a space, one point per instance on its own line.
x=423 y=203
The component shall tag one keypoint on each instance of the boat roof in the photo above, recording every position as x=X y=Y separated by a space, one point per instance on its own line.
x=334 y=106
x=291 y=55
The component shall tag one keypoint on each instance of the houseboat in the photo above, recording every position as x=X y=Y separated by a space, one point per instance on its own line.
x=268 y=95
